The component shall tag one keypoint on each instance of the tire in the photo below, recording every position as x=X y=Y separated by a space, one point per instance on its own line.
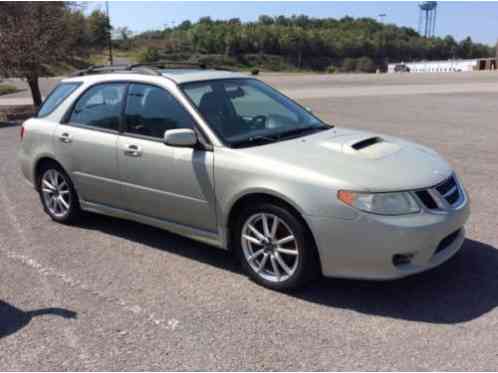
x=55 y=185
x=298 y=255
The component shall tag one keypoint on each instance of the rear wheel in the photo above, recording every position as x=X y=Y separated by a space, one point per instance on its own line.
x=57 y=194
x=275 y=248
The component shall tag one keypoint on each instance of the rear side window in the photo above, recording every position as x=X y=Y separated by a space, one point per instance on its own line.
x=100 y=106
x=55 y=98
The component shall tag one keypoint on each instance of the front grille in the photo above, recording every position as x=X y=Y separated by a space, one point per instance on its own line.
x=426 y=199
x=447 y=241
x=447 y=190
x=452 y=198
x=446 y=185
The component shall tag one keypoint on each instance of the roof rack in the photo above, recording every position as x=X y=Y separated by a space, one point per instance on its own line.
x=102 y=69
x=145 y=68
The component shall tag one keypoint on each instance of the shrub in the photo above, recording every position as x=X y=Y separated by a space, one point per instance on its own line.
x=331 y=69
x=148 y=55
x=5 y=89
x=348 y=65
x=365 y=65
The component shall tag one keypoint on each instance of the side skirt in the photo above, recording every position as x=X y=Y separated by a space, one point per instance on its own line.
x=200 y=235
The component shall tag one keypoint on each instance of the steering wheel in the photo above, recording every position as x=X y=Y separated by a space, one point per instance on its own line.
x=258 y=122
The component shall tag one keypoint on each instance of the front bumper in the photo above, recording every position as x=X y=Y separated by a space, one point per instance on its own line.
x=364 y=248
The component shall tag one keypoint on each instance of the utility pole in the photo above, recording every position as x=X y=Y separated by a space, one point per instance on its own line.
x=109 y=41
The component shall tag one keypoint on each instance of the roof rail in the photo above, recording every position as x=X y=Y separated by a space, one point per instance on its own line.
x=101 y=69
x=180 y=65
x=145 y=68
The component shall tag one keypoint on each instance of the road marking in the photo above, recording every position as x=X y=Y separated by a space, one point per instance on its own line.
x=47 y=271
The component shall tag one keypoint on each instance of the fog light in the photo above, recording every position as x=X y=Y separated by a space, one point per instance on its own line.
x=402 y=259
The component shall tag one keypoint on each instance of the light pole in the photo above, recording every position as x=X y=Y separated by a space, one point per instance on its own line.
x=109 y=41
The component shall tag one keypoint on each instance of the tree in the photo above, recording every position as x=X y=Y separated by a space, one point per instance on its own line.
x=99 y=28
x=313 y=42
x=31 y=37
x=496 y=54
x=77 y=31
x=265 y=20
x=124 y=34
x=466 y=48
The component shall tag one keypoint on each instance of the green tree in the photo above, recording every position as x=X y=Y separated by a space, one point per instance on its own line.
x=312 y=42
x=99 y=28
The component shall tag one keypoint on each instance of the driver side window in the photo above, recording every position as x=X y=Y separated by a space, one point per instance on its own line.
x=150 y=111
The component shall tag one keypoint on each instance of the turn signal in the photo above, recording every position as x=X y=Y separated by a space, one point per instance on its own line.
x=346 y=197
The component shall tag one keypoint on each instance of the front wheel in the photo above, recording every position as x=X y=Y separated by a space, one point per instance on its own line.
x=275 y=248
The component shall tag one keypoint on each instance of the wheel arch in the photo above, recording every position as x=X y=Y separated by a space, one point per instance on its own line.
x=40 y=164
x=265 y=196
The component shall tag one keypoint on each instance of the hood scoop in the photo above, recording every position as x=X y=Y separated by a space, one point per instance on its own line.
x=372 y=147
x=366 y=143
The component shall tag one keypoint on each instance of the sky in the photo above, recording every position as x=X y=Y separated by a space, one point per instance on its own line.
x=479 y=20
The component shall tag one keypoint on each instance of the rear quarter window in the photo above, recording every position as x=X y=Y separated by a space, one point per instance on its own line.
x=56 y=97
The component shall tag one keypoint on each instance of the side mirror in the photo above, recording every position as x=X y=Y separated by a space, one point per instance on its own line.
x=180 y=137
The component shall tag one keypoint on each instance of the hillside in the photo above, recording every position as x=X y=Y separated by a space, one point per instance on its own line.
x=298 y=42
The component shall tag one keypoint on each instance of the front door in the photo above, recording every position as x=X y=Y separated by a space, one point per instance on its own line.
x=170 y=183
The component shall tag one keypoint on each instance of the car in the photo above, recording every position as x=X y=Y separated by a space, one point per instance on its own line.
x=401 y=68
x=223 y=158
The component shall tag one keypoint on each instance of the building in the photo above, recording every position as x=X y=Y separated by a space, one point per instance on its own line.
x=443 y=66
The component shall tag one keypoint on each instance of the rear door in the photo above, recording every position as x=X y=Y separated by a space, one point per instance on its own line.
x=87 y=143
x=170 y=183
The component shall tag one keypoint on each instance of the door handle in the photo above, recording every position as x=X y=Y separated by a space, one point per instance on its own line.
x=65 y=137
x=133 y=151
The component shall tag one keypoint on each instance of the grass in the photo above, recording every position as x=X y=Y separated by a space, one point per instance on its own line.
x=6 y=89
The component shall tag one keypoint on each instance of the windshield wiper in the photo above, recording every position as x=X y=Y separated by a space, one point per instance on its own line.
x=301 y=131
x=255 y=140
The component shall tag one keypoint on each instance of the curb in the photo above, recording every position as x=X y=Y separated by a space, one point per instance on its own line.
x=9 y=124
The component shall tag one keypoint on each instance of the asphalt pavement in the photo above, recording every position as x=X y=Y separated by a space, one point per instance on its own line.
x=109 y=294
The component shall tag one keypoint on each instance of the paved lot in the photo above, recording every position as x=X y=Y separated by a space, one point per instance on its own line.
x=111 y=294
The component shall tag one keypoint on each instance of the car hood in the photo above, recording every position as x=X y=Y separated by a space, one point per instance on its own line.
x=360 y=159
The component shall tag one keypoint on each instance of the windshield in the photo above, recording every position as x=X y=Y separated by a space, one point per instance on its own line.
x=246 y=112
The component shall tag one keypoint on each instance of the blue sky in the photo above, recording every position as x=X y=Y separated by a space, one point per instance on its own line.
x=478 y=20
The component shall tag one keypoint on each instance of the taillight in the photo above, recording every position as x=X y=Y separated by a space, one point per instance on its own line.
x=22 y=132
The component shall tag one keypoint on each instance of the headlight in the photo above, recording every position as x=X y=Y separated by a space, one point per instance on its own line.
x=397 y=203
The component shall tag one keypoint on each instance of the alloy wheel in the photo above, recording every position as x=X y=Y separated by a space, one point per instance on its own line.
x=270 y=247
x=56 y=193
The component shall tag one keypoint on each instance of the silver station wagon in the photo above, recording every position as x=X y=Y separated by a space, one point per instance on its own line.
x=223 y=158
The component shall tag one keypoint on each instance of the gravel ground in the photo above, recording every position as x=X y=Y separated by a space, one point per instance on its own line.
x=115 y=295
